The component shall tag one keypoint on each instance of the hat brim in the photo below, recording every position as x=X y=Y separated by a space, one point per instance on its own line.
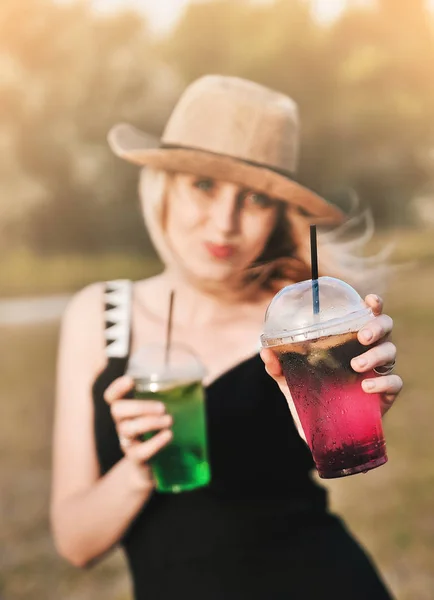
x=139 y=148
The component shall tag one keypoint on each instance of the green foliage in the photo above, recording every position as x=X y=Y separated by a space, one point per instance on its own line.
x=364 y=85
x=72 y=75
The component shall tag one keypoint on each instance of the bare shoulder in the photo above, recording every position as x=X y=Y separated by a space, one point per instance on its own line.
x=82 y=330
x=87 y=296
x=85 y=303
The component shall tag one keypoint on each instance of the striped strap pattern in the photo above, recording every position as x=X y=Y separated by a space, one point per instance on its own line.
x=117 y=315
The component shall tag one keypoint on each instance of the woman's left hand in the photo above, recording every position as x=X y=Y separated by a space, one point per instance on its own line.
x=382 y=354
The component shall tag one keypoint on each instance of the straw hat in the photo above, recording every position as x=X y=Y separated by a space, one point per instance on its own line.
x=231 y=129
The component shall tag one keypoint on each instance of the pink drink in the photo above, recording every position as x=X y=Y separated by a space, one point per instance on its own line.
x=341 y=422
x=312 y=327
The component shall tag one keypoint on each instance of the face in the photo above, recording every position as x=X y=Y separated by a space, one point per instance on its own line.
x=217 y=228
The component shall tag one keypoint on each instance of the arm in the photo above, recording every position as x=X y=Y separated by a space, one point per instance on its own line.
x=89 y=513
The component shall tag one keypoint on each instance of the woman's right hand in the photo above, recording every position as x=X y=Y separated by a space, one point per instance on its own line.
x=133 y=418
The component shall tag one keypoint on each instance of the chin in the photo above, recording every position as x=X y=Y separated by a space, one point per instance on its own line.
x=212 y=273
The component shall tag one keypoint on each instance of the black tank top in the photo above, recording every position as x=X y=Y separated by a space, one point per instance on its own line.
x=261 y=468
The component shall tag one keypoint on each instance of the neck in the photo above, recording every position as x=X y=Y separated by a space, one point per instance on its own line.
x=197 y=303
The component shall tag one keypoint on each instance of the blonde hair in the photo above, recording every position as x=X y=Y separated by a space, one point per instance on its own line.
x=286 y=257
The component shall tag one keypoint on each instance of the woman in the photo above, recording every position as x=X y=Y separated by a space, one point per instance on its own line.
x=231 y=226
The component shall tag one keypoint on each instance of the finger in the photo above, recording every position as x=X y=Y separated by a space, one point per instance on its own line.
x=126 y=443
x=385 y=384
x=387 y=401
x=375 y=303
x=132 y=428
x=383 y=354
x=118 y=389
x=272 y=364
x=375 y=330
x=146 y=450
x=275 y=371
x=293 y=412
x=279 y=379
x=129 y=409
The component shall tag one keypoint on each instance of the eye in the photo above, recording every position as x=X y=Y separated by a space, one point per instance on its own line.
x=205 y=185
x=257 y=199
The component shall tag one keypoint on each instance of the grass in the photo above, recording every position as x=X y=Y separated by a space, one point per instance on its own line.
x=389 y=509
x=30 y=567
x=410 y=245
x=25 y=274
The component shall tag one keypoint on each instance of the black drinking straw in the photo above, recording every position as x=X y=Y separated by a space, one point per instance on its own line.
x=169 y=328
x=314 y=267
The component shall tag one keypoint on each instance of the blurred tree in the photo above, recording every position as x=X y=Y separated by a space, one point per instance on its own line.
x=364 y=86
x=70 y=75
x=385 y=115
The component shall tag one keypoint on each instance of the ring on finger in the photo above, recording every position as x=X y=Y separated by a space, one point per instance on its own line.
x=385 y=369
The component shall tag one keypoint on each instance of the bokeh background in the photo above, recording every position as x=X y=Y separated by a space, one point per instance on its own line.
x=363 y=75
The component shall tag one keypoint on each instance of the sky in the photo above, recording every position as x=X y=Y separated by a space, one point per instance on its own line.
x=163 y=14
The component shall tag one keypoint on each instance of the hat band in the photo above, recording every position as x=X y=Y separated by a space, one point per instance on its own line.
x=252 y=163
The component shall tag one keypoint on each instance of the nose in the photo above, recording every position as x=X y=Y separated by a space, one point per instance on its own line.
x=225 y=211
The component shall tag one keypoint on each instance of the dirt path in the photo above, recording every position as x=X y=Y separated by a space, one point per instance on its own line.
x=30 y=311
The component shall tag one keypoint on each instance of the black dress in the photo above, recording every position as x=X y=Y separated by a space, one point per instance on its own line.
x=261 y=530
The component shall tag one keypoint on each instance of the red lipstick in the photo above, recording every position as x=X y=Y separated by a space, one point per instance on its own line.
x=221 y=251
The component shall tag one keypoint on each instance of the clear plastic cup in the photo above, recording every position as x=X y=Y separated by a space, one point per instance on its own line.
x=342 y=423
x=177 y=382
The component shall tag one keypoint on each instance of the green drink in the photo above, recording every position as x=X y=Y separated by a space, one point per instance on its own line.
x=183 y=464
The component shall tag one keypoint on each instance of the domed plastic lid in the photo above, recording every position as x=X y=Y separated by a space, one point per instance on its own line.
x=290 y=316
x=151 y=363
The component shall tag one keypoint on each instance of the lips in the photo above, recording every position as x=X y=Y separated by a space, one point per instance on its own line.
x=220 y=251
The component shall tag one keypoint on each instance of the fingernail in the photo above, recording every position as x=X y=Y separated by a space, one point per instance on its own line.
x=366 y=334
x=368 y=384
x=167 y=420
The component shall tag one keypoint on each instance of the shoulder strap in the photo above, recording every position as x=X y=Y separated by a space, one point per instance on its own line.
x=117 y=316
